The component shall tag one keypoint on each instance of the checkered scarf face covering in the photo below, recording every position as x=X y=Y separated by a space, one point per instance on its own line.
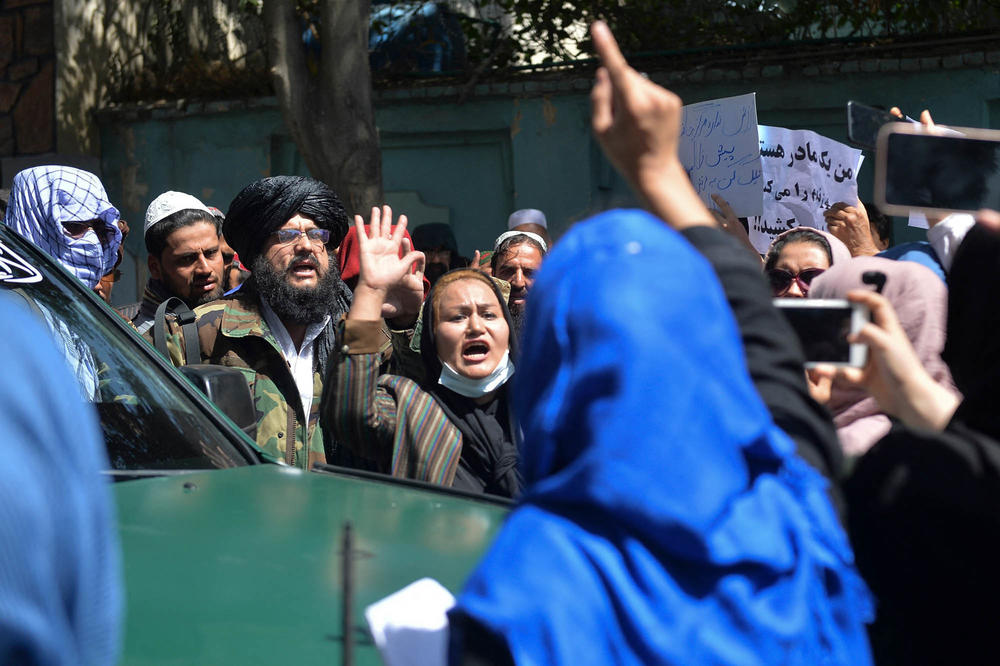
x=42 y=198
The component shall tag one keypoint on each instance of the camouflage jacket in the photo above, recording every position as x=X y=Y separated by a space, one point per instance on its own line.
x=232 y=332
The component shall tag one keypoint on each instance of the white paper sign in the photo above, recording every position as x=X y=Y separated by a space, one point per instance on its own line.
x=720 y=151
x=918 y=220
x=410 y=627
x=804 y=174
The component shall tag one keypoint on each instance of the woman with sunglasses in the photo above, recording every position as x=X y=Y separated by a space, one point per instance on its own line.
x=797 y=257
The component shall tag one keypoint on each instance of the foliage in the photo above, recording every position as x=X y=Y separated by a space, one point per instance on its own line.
x=169 y=57
x=163 y=52
x=551 y=30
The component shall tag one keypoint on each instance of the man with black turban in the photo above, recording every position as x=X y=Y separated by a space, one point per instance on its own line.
x=280 y=327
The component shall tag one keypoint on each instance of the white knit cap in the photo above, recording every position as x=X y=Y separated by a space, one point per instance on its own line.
x=509 y=234
x=527 y=216
x=169 y=203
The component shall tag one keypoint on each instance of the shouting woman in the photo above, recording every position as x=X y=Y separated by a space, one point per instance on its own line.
x=455 y=428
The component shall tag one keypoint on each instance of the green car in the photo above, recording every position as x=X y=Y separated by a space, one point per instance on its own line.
x=230 y=557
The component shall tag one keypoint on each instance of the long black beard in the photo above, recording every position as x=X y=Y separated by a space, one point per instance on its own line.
x=297 y=305
x=517 y=318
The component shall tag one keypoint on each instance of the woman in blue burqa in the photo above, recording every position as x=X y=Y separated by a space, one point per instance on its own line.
x=666 y=519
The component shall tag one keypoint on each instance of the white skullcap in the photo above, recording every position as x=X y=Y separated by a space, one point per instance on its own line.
x=169 y=203
x=527 y=216
x=509 y=234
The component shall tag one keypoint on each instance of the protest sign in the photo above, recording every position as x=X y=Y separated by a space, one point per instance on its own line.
x=720 y=151
x=804 y=173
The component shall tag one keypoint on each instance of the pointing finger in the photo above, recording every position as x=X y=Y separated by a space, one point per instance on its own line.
x=601 y=104
x=609 y=53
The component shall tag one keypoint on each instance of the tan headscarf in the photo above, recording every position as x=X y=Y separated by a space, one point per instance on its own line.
x=920 y=299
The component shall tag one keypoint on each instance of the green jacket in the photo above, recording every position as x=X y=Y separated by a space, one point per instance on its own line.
x=232 y=332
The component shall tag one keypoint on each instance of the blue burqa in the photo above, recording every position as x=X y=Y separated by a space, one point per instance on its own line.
x=60 y=572
x=666 y=520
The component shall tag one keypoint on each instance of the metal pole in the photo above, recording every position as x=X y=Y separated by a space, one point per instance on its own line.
x=347 y=600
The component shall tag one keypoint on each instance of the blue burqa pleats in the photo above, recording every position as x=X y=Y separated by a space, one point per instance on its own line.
x=667 y=520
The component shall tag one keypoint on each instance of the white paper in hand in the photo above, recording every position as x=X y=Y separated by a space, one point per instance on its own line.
x=410 y=627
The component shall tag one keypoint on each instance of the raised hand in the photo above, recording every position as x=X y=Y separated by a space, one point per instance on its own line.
x=638 y=124
x=850 y=224
x=728 y=222
x=390 y=281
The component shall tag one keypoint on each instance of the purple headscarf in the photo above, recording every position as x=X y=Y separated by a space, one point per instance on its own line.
x=920 y=300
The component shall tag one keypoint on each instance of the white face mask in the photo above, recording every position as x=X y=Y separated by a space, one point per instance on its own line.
x=477 y=388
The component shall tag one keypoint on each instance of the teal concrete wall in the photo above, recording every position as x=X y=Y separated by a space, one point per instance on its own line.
x=522 y=145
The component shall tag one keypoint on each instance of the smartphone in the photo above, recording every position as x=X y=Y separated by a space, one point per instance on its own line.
x=822 y=326
x=864 y=122
x=936 y=170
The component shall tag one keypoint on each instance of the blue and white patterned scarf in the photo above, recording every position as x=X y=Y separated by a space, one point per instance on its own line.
x=43 y=198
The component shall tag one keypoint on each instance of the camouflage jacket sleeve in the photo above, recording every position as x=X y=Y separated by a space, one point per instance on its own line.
x=175 y=342
x=405 y=359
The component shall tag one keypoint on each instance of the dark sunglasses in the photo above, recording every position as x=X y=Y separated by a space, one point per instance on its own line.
x=781 y=280
x=78 y=229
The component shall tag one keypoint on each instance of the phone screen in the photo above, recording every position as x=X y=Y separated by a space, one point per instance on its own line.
x=822 y=331
x=943 y=172
x=864 y=122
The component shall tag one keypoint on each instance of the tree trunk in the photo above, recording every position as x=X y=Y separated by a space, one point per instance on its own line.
x=329 y=113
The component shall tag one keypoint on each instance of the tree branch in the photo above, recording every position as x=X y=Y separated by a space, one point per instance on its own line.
x=288 y=67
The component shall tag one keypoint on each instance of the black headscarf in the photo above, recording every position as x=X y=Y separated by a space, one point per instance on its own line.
x=263 y=207
x=972 y=348
x=489 y=460
x=434 y=235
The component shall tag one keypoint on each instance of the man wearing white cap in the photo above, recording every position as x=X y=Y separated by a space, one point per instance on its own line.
x=517 y=256
x=183 y=238
x=530 y=219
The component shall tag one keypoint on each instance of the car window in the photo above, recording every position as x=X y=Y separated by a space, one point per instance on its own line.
x=149 y=422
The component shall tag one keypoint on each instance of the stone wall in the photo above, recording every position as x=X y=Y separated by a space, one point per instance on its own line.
x=27 y=78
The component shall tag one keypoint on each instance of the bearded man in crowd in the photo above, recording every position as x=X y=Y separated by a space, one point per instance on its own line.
x=517 y=256
x=279 y=328
x=183 y=239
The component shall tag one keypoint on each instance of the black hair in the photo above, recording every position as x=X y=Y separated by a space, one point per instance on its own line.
x=156 y=236
x=804 y=235
x=508 y=244
x=881 y=223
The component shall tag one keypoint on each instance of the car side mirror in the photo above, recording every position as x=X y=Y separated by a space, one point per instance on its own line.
x=228 y=390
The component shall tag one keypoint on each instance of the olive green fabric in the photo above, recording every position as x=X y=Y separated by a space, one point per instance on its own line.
x=233 y=333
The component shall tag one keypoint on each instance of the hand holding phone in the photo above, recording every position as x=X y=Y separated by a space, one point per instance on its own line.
x=893 y=374
x=824 y=327
x=864 y=122
x=936 y=170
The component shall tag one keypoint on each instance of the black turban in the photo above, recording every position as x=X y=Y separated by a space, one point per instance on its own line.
x=263 y=207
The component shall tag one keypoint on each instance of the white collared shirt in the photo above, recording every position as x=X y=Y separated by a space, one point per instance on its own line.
x=300 y=361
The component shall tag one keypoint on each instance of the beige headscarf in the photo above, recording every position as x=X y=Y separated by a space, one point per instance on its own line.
x=920 y=299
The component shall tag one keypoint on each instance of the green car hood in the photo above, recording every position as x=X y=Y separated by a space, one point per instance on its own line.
x=243 y=566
